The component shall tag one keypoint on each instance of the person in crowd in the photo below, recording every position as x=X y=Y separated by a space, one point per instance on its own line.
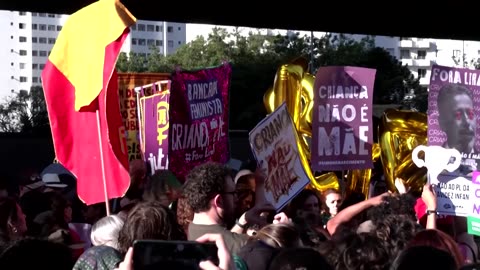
x=332 y=200
x=105 y=232
x=266 y=243
x=299 y=258
x=31 y=253
x=149 y=220
x=438 y=239
x=13 y=225
x=210 y=191
x=184 y=214
x=363 y=251
x=98 y=258
x=245 y=187
x=424 y=257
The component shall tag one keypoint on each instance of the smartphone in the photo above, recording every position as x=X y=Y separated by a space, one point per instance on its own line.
x=158 y=254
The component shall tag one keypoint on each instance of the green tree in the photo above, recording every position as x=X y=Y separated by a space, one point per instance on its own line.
x=122 y=62
x=24 y=112
x=156 y=62
x=392 y=81
x=136 y=62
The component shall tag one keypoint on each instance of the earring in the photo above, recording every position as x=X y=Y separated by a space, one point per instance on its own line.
x=14 y=229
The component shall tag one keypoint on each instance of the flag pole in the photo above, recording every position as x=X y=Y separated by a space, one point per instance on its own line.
x=105 y=191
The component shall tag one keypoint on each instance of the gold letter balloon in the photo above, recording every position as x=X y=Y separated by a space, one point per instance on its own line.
x=294 y=86
x=399 y=133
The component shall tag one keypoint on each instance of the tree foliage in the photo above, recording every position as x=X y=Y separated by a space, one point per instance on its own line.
x=255 y=58
x=24 y=112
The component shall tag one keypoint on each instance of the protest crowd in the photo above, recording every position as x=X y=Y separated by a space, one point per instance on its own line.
x=44 y=225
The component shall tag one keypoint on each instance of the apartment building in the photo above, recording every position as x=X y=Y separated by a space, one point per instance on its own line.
x=27 y=39
x=419 y=54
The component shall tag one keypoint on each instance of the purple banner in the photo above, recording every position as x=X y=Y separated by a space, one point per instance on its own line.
x=155 y=123
x=199 y=118
x=342 y=119
x=453 y=109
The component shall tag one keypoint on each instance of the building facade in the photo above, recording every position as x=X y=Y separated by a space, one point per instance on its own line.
x=27 y=39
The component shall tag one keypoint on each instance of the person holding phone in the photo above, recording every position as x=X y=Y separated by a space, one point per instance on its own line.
x=224 y=257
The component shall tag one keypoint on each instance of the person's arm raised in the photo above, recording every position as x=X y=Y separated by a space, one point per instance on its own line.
x=348 y=213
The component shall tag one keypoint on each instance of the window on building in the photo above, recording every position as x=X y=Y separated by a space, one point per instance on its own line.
x=141 y=27
x=150 y=28
x=422 y=73
x=34 y=26
x=43 y=53
x=150 y=42
x=141 y=42
x=34 y=66
x=43 y=27
x=11 y=37
x=11 y=64
x=179 y=42
x=23 y=52
x=21 y=65
x=42 y=40
x=421 y=54
x=34 y=40
x=51 y=27
x=179 y=28
x=134 y=27
x=22 y=26
x=170 y=43
x=22 y=13
x=34 y=53
x=22 y=39
x=34 y=79
x=405 y=54
x=169 y=29
x=159 y=42
x=42 y=14
x=59 y=28
x=23 y=79
x=51 y=40
x=51 y=15
x=134 y=41
x=42 y=66
x=157 y=28
x=34 y=14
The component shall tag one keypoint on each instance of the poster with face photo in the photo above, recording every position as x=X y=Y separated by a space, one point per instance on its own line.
x=453 y=115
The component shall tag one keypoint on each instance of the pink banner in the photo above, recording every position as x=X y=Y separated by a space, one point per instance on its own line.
x=199 y=118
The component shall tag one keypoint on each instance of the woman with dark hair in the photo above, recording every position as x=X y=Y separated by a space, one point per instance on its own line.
x=438 y=239
x=305 y=211
x=149 y=220
x=266 y=243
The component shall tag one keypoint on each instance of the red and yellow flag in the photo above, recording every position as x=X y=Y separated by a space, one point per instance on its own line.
x=79 y=79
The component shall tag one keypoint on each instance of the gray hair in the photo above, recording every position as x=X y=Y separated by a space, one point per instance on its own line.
x=105 y=231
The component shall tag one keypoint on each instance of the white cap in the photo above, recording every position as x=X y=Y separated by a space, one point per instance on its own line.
x=242 y=173
x=52 y=180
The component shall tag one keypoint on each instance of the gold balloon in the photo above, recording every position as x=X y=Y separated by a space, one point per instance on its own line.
x=269 y=100
x=287 y=87
x=358 y=181
x=324 y=182
x=294 y=86
x=399 y=133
